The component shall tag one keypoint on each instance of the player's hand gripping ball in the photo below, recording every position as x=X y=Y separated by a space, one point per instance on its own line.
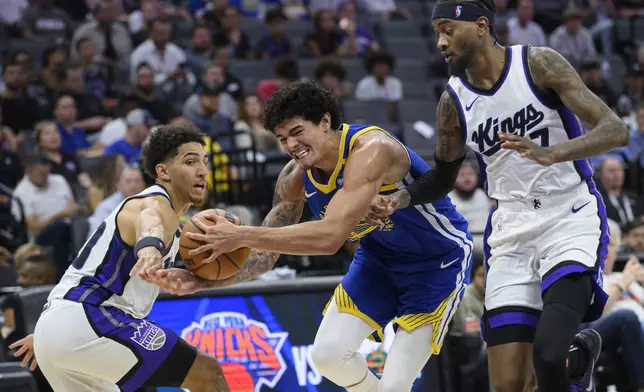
x=209 y=245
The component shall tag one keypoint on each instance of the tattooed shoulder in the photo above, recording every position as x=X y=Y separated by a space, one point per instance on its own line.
x=450 y=142
x=290 y=183
x=550 y=70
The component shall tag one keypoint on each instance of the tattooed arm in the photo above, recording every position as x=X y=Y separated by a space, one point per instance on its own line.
x=450 y=153
x=551 y=72
x=288 y=202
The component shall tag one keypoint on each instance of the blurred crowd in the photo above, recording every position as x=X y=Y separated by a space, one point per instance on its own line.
x=84 y=82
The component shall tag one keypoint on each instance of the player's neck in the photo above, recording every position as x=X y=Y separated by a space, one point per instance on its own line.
x=179 y=205
x=487 y=67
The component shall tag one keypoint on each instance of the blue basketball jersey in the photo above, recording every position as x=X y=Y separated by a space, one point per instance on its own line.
x=415 y=233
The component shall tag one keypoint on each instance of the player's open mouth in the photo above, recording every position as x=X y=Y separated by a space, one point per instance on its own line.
x=302 y=153
x=200 y=187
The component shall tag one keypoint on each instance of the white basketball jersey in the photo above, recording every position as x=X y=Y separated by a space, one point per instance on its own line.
x=515 y=105
x=100 y=274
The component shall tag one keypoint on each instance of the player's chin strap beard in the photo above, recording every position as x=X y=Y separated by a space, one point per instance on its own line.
x=464 y=11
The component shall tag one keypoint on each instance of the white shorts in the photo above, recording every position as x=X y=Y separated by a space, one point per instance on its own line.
x=531 y=244
x=80 y=347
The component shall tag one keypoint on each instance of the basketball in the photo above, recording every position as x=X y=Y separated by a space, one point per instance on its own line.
x=224 y=266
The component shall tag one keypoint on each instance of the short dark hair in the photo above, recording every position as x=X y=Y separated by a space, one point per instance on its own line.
x=164 y=143
x=274 y=15
x=326 y=67
x=379 y=58
x=286 y=67
x=306 y=100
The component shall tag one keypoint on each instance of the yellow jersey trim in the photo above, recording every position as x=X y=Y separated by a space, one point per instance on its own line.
x=437 y=319
x=346 y=305
x=331 y=185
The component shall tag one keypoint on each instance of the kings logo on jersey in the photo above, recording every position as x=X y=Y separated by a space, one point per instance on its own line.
x=520 y=123
x=249 y=353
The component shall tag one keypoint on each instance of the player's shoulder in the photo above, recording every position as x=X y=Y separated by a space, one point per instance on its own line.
x=156 y=201
x=548 y=67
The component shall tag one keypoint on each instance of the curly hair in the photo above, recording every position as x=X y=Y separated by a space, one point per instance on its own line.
x=334 y=68
x=164 y=143
x=306 y=100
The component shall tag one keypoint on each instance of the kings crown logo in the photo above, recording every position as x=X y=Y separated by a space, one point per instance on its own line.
x=149 y=336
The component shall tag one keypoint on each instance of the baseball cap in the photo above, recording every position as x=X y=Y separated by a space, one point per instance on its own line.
x=139 y=117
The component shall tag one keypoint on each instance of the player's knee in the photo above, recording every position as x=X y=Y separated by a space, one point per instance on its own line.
x=204 y=375
x=327 y=356
x=548 y=358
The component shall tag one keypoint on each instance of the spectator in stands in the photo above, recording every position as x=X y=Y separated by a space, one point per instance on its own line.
x=104 y=184
x=89 y=107
x=149 y=98
x=130 y=182
x=74 y=140
x=24 y=59
x=202 y=47
x=162 y=56
x=208 y=117
x=634 y=236
x=138 y=128
x=213 y=13
x=379 y=85
x=365 y=42
x=468 y=316
x=115 y=129
x=591 y=73
x=11 y=171
x=629 y=8
x=19 y=110
x=621 y=205
x=572 y=40
x=141 y=19
x=331 y=75
x=274 y=43
x=502 y=36
x=111 y=39
x=503 y=11
x=231 y=35
x=286 y=71
x=250 y=121
x=327 y=38
x=523 y=29
x=634 y=152
x=385 y=9
x=8 y=276
x=96 y=72
x=44 y=20
x=633 y=91
x=471 y=201
x=11 y=13
x=49 y=142
x=48 y=202
x=213 y=78
x=25 y=251
x=234 y=86
x=55 y=60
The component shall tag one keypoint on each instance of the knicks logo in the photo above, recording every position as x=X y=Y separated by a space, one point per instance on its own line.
x=149 y=336
x=520 y=123
x=248 y=351
x=364 y=228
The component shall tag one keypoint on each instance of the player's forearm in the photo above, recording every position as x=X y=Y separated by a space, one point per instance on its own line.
x=259 y=262
x=149 y=224
x=309 y=238
x=610 y=133
x=433 y=185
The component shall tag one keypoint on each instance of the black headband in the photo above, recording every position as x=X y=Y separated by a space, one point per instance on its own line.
x=465 y=11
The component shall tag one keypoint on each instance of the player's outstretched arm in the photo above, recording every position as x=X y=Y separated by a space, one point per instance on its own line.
x=552 y=72
x=141 y=225
x=364 y=172
x=450 y=153
x=288 y=203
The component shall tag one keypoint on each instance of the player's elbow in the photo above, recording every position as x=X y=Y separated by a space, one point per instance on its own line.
x=622 y=135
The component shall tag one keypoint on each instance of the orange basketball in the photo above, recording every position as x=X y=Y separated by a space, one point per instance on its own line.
x=224 y=266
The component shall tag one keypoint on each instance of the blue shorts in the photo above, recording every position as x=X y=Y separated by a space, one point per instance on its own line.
x=411 y=293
